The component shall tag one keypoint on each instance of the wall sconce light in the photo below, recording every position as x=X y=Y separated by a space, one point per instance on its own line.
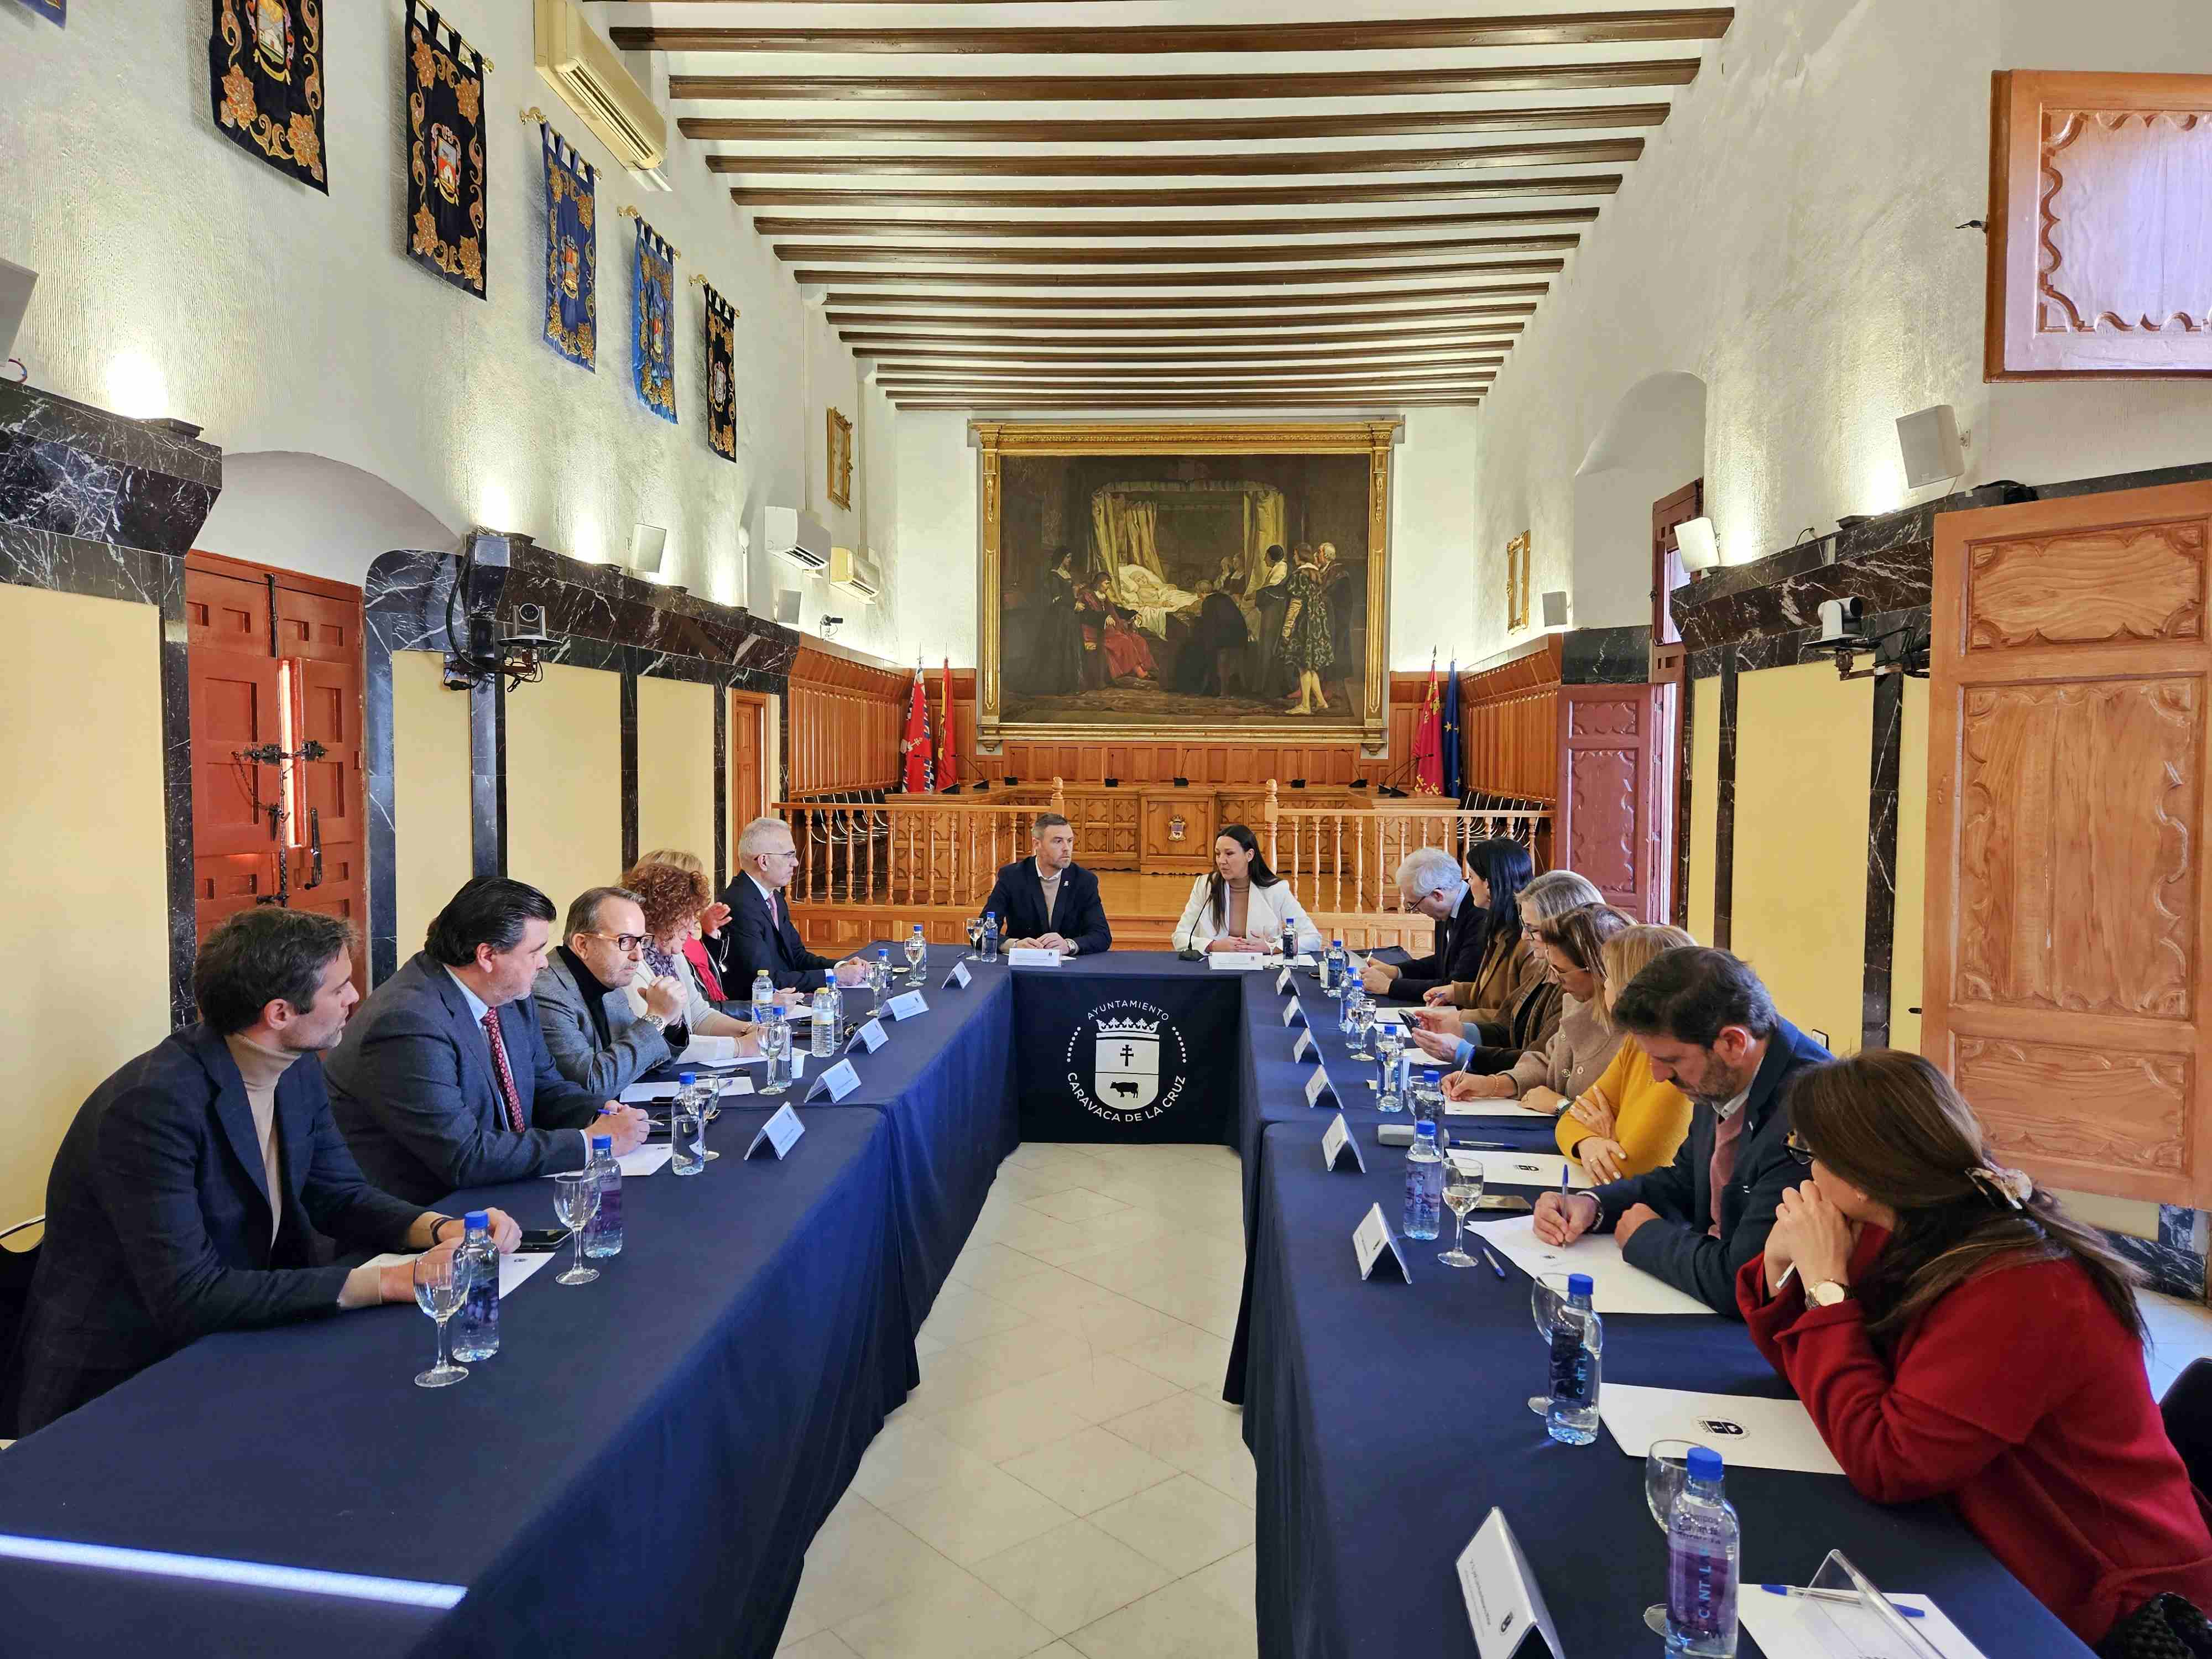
x=646 y=544
x=1901 y=650
x=1699 y=547
x=1934 y=448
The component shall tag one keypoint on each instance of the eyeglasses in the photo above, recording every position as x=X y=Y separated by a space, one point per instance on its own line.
x=622 y=941
x=780 y=853
x=1798 y=1150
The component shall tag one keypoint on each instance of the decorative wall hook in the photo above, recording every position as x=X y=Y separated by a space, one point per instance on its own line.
x=534 y=113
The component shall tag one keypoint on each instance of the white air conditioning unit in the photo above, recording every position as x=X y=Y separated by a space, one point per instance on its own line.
x=856 y=575
x=798 y=536
x=583 y=69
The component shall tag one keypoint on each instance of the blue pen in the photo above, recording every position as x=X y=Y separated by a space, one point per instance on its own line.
x=1565 y=1170
x=1851 y=1596
x=1496 y=1266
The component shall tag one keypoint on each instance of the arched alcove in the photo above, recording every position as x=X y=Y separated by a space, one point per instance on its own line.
x=319 y=517
x=1650 y=445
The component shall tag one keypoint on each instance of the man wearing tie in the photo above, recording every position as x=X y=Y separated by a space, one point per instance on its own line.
x=1049 y=901
x=759 y=929
x=444 y=1080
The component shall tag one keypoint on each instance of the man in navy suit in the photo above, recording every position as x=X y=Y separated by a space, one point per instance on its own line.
x=444 y=1081
x=759 y=930
x=1049 y=901
x=187 y=1193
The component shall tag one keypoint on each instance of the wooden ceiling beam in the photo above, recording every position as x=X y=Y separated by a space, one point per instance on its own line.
x=1267 y=307
x=1061 y=227
x=850 y=322
x=1385 y=402
x=840 y=253
x=1357 y=125
x=1243 y=164
x=1591 y=28
x=1498 y=335
x=808 y=277
x=1313 y=364
x=1200 y=383
x=1179 y=88
x=1469 y=186
x=1112 y=351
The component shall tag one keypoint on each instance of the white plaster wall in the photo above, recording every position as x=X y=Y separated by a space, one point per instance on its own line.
x=1432 y=565
x=314 y=515
x=1789 y=237
x=181 y=276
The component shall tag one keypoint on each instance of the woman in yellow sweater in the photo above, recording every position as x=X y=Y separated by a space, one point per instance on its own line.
x=1627 y=1121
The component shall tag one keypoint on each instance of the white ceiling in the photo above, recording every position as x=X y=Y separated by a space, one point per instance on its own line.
x=1268 y=286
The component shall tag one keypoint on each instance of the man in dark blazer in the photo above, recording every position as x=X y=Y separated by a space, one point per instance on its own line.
x=759 y=932
x=1709 y=1026
x=444 y=1081
x=188 y=1193
x=1048 y=900
x=1431 y=881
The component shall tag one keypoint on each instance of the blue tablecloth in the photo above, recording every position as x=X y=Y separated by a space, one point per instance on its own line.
x=639 y=1470
x=1387 y=1420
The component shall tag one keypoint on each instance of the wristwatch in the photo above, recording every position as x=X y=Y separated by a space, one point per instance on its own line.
x=656 y=1021
x=1827 y=1293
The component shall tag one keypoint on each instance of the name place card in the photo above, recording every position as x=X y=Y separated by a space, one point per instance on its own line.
x=779 y=1133
x=1303 y=1046
x=839 y=1080
x=872 y=1035
x=1336 y=1142
x=959 y=976
x=907 y=1006
x=1293 y=1013
x=1318 y=1084
x=1283 y=983
x=1030 y=956
x=1503 y=1603
x=1235 y=961
x=1372 y=1241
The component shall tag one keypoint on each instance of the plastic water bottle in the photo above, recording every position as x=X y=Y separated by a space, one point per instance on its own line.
x=1424 y=1184
x=1290 y=938
x=990 y=936
x=687 y=1127
x=776 y=1038
x=475 y=1327
x=1427 y=1097
x=602 y=1233
x=1703 y=1555
x=826 y=1011
x=763 y=997
x=1577 y=1350
x=917 y=953
x=1336 y=970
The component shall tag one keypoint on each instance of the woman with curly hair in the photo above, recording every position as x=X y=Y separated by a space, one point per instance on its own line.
x=674 y=900
x=707 y=949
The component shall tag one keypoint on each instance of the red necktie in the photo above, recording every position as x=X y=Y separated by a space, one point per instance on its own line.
x=505 y=1077
x=773 y=919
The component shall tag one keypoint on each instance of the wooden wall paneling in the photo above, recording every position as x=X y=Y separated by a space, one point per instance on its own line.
x=2067 y=915
x=847 y=717
x=1510 y=725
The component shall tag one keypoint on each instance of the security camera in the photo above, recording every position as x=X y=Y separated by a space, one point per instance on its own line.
x=530 y=628
x=830 y=625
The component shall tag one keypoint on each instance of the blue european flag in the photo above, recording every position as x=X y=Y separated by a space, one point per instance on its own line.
x=1451 y=739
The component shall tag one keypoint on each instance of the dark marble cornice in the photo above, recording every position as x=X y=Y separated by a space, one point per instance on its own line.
x=75 y=471
x=1605 y=656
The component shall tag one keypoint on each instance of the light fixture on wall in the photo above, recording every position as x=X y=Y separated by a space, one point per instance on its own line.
x=1899 y=650
x=1699 y=547
x=1934 y=448
x=647 y=542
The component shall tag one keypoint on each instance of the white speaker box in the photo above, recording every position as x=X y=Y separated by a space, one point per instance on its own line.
x=1555 y=608
x=1930 y=441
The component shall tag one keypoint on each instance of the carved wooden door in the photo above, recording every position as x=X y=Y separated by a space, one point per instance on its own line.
x=236 y=709
x=2068 y=912
x=1613 y=812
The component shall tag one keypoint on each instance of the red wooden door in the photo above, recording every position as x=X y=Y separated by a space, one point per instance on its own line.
x=1612 y=799
x=321 y=638
x=749 y=795
x=236 y=706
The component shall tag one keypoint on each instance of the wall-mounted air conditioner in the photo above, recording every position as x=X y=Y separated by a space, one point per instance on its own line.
x=798 y=536
x=583 y=69
x=856 y=575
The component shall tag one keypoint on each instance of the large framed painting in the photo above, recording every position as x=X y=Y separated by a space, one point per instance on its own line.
x=1183 y=582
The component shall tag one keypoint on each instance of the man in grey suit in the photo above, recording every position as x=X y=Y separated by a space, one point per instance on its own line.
x=596 y=1039
x=443 y=1081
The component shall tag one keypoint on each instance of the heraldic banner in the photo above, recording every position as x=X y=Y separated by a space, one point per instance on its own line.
x=266 y=71
x=653 y=336
x=444 y=79
x=59 y=11
x=721 y=388
x=572 y=253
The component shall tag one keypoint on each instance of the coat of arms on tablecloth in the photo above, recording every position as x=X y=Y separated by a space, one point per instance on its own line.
x=1127 y=1071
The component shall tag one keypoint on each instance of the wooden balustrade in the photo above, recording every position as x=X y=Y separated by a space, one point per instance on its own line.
x=1347 y=862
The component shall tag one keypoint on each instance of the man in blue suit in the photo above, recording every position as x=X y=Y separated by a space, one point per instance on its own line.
x=1048 y=900
x=188 y=1193
x=444 y=1081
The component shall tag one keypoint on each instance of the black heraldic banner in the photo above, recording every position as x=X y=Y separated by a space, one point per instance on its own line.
x=265 y=71
x=721 y=387
x=1158 y=1065
x=444 y=78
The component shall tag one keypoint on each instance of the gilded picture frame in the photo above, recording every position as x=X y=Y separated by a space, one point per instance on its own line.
x=1196 y=446
x=1516 y=582
x=840 y=461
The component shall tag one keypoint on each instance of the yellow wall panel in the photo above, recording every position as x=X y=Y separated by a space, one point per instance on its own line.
x=676 y=768
x=83 y=848
x=1705 y=780
x=564 y=782
x=1803 y=740
x=1905 y=976
x=430 y=792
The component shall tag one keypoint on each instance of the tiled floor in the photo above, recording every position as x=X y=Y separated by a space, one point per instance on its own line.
x=1067 y=1480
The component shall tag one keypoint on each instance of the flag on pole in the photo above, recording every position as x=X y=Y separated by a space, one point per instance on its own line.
x=1450 y=738
x=949 y=772
x=1428 y=741
x=920 y=777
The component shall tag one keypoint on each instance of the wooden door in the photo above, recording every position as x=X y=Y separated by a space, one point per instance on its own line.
x=236 y=704
x=1613 y=801
x=749 y=787
x=319 y=637
x=2068 y=912
x=1667 y=574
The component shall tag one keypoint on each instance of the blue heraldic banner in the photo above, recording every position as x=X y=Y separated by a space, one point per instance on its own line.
x=265 y=74
x=444 y=79
x=653 y=336
x=56 y=10
x=721 y=388
x=572 y=253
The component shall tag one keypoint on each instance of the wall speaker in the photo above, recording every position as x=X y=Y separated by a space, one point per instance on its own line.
x=646 y=544
x=1699 y=547
x=1555 y=608
x=1930 y=441
x=15 y=286
x=787 y=607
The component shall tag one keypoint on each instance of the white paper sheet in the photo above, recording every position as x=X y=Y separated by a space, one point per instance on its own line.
x=1617 y=1287
x=1523 y=1170
x=1493 y=1109
x=1764 y=1434
x=709 y=1051
x=1794 y=1627
x=646 y=1159
x=513 y=1269
x=638 y=1093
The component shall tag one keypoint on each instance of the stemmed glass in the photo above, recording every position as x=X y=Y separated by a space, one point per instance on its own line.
x=1462 y=1192
x=1666 y=1466
x=710 y=1108
x=441 y=1285
x=1389 y=1043
x=575 y=1201
x=1547 y=1293
x=1359 y=1022
x=775 y=1044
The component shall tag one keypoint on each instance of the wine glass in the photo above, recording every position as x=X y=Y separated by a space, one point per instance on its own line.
x=575 y=1201
x=1547 y=1293
x=974 y=929
x=775 y=1043
x=441 y=1285
x=1666 y=1466
x=710 y=1108
x=1389 y=1043
x=1359 y=1022
x=917 y=953
x=1462 y=1192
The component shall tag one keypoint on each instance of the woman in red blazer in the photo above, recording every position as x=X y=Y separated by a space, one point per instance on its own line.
x=1953 y=1332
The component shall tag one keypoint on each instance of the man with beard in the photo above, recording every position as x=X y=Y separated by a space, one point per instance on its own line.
x=1707 y=1025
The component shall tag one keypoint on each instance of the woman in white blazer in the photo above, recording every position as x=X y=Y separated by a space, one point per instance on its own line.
x=1242 y=905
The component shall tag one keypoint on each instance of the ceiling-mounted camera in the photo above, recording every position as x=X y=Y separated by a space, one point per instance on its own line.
x=529 y=627
x=830 y=625
x=479 y=652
